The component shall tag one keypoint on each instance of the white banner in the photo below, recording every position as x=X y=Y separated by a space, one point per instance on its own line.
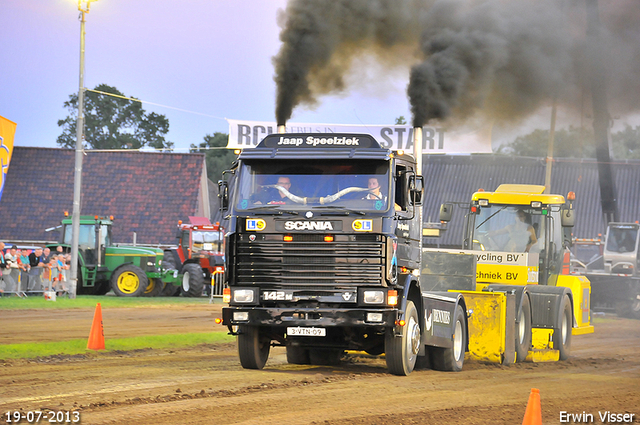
x=247 y=134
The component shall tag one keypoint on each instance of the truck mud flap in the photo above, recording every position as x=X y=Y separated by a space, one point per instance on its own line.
x=491 y=325
x=438 y=312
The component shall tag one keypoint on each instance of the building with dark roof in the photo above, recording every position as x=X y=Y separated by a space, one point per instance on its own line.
x=147 y=193
x=454 y=178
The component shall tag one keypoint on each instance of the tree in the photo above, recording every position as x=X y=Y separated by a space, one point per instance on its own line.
x=218 y=158
x=574 y=143
x=626 y=143
x=401 y=120
x=113 y=123
x=568 y=143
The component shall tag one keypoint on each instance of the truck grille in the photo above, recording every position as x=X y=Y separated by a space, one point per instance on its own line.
x=309 y=261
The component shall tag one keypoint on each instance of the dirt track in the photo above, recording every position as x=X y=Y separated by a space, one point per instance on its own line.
x=206 y=385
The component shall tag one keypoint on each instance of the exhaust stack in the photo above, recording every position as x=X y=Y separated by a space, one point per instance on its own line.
x=417 y=148
x=281 y=128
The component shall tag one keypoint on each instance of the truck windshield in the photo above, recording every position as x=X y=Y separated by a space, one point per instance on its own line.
x=298 y=184
x=622 y=239
x=508 y=228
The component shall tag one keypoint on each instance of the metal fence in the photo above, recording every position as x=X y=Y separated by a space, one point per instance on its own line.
x=38 y=280
x=217 y=284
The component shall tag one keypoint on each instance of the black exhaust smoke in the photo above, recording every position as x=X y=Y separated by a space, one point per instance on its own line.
x=502 y=59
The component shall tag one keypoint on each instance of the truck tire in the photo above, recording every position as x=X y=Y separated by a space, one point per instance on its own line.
x=325 y=356
x=154 y=288
x=562 y=331
x=192 y=280
x=523 y=330
x=452 y=359
x=401 y=352
x=253 y=349
x=129 y=281
x=297 y=355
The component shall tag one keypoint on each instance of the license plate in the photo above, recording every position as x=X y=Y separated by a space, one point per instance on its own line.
x=299 y=331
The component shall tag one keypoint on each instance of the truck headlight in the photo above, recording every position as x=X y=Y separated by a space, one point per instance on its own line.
x=243 y=296
x=373 y=297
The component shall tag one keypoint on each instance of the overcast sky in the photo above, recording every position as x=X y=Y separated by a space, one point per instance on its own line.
x=206 y=59
x=210 y=57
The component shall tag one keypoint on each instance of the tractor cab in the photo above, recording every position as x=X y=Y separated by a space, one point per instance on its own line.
x=199 y=239
x=521 y=219
x=94 y=237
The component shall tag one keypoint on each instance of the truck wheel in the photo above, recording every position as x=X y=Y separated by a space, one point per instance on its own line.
x=562 y=332
x=325 y=356
x=192 y=280
x=523 y=331
x=154 y=288
x=452 y=359
x=401 y=352
x=129 y=281
x=253 y=348
x=297 y=355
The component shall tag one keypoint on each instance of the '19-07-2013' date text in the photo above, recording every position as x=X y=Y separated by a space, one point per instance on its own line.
x=36 y=416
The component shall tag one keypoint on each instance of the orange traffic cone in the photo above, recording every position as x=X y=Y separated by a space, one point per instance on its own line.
x=96 y=336
x=533 y=414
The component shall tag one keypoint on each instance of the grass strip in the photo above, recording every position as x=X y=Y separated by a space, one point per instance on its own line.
x=90 y=301
x=79 y=346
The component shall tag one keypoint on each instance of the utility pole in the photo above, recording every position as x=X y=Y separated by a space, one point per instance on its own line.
x=77 y=176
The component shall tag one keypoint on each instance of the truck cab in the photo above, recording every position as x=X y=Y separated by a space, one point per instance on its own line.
x=323 y=248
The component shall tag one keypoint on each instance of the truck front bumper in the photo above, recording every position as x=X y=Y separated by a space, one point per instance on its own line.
x=314 y=317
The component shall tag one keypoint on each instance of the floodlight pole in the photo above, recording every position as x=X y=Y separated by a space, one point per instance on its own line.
x=77 y=177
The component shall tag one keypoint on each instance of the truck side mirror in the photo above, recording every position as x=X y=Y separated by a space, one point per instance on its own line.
x=416 y=186
x=223 y=194
x=567 y=217
x=445 y=212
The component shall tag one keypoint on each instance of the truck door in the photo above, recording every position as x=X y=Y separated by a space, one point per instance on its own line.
x=408 y=228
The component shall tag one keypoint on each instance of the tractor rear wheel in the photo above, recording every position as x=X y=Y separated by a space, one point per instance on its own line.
x=192 y=280
x=129 y=281
x=170 y=290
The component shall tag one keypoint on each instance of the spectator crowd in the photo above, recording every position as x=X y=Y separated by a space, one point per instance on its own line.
x=26 y=271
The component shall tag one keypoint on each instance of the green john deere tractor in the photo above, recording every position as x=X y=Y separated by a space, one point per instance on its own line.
x=130 y=271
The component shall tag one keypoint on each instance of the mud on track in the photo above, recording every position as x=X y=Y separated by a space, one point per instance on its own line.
x=206 y=385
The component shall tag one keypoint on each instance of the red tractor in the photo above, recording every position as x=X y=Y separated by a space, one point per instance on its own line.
x=198 y=256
